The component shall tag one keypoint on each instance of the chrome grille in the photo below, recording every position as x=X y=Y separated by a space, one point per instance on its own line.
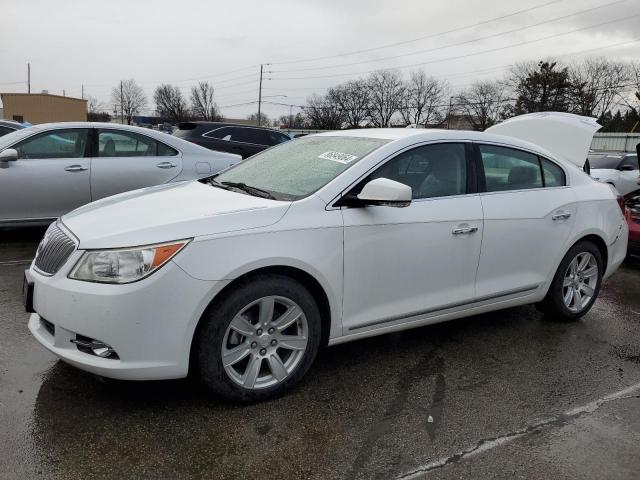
x=54 y=250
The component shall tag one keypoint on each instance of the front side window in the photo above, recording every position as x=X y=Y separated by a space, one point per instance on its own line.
x=294 y=170
x=630 y=162
x=54 y=144
x=276 y=138
x=438 y=170
x=509 y=169
x=118 y=143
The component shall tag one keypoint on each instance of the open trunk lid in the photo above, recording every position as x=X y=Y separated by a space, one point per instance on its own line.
x=564 y=134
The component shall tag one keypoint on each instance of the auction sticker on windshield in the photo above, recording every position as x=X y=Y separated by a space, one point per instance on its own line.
x=337 y=157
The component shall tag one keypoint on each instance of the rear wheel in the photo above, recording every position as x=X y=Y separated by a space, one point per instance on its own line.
x=260 y=339
x=576 y=283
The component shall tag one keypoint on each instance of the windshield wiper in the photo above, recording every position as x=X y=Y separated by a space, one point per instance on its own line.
x=255 y=191
x=215 y=183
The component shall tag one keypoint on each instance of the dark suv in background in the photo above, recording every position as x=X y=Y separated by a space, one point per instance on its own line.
x=244 y=140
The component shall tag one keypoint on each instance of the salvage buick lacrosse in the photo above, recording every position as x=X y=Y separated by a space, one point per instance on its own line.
x=242 y=276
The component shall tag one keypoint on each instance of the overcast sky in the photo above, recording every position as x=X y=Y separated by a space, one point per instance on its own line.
x=97 y=43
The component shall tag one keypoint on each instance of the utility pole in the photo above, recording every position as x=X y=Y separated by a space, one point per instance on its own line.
x=449 y=114
x=290 y=118
x=260 y=96
x=121 y=105
x=82 y=95
x=28 y=78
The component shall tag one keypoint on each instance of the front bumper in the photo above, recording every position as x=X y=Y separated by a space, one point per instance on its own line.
x=149 y=323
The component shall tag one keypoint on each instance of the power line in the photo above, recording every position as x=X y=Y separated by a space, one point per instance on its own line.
x=433 y=35
x=466 y=42
x=480 y=52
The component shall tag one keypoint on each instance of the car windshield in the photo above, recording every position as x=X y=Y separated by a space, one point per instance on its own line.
x=604 y=161
x=296 y=169
x=11 y=138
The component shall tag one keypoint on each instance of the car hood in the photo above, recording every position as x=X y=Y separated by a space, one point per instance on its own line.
x=169 y=212
x=566 y=135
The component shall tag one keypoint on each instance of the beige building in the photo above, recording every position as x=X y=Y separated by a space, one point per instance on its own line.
x=43 y=108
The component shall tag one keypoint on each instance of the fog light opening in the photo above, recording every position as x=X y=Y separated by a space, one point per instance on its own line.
x=94 y=347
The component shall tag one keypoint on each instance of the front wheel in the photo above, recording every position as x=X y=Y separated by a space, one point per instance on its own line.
x=576 y=284
x=260 y=339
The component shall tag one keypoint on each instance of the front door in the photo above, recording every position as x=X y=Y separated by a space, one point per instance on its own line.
x=49 y=178
x=403 y=264
x=125 y=160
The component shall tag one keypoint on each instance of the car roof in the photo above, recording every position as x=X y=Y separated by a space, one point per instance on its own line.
x=223 y=124
x=11 y=124
x=415 y=135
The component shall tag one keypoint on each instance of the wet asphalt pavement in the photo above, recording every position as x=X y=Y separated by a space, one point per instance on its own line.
x=502 y=395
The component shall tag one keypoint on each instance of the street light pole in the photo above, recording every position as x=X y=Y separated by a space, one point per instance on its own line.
x=260 y=95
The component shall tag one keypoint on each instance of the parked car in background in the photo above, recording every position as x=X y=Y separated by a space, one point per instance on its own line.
x=164 y=127
x=349 y=234
x=226 y=137
x=50 y=169
x=618 y=169
x=632 y=202
x=8 y=126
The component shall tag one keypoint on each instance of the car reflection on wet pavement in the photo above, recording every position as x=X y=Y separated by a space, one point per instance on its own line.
x=504 y=394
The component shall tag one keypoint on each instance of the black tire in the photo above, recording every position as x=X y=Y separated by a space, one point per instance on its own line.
x=217 y=319
x=553 y=304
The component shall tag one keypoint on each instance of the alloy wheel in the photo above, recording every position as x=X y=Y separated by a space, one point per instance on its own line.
x=265 y=342
x=580 y=282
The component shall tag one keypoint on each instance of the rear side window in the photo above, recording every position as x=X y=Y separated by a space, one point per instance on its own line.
x=5 y=130
x=117 y=143
x=509 y=169
x=248 y=135
x=553 y=174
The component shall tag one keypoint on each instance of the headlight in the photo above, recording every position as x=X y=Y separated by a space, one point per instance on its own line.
x=124 y=265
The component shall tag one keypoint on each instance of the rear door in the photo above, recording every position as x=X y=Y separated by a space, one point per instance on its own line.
x=50 y=177
x=528 y=215
x=123 y=160
x=247 y=141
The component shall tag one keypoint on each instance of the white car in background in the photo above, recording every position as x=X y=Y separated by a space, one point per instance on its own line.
x=323 y=240
x=617 y=169
x=50 y=169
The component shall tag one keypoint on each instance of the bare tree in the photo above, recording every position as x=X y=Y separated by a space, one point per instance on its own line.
x=203 y=106
x=423 y=99
x=595 y=84
x=386 y=91
x=353 y=99
x=323 y=113
x=170 y=104
x=130 y=99
x=96 y=111
x=264 y=119
x=482 y=103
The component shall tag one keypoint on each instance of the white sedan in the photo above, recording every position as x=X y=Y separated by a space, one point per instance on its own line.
x=50 y=169
x=617 y=169
x=323 y=240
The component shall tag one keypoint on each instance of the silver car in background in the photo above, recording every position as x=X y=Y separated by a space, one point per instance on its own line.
x=50 y=169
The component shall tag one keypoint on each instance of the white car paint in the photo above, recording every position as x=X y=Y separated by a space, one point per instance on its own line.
x=382 y=269
x=625 y=181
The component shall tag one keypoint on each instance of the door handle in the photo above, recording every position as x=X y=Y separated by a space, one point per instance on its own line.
x=75 y=168
x=166 y=165
x=463 y=230
x=560 y=216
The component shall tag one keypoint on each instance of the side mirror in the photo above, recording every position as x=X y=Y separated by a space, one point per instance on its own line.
x=9 y=155
x=627 y=168
x=385 y=192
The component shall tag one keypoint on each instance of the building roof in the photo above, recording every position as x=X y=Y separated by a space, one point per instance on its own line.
x=9 y=94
